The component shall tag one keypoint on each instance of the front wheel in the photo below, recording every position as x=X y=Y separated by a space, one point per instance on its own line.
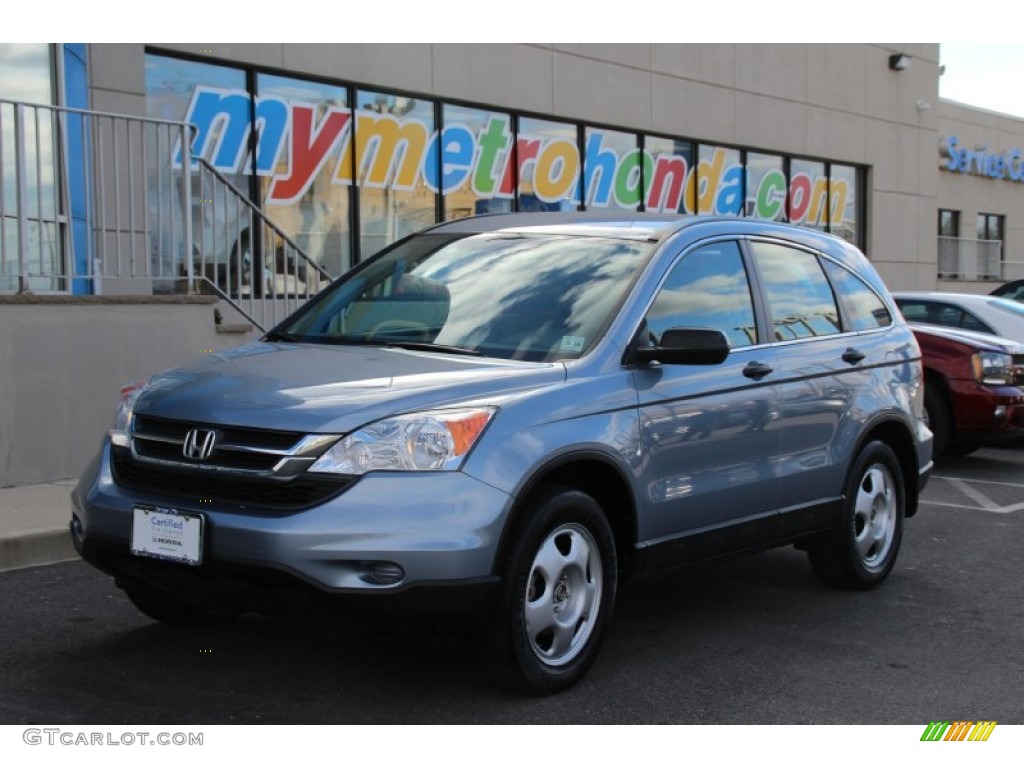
x=862 y=551
x=558 y=591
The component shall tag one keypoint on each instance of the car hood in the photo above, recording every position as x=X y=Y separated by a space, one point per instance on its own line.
x=973 y=338
x=331 y=389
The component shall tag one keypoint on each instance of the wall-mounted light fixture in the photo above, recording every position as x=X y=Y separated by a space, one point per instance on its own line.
x=898 y=62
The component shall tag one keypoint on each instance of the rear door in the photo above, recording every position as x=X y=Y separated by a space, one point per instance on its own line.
x=831 y=376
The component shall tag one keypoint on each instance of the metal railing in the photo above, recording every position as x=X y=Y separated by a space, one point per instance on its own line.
x=82 y=193
x=247 y=259
x=100 y=203
x=963 y=259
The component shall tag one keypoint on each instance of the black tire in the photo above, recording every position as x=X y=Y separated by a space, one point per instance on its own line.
x=242 y=270
x=167 y=610
x=561 y=560
x=936 y=411
x=963 y=448
x=861 y=552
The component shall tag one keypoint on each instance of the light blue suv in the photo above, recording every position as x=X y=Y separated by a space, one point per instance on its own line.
x=510 y=416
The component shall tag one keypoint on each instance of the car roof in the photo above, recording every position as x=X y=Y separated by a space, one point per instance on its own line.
x=632 y=225
x=945 y=296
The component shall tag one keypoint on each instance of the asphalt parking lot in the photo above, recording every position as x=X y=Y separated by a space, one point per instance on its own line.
x=754 y=640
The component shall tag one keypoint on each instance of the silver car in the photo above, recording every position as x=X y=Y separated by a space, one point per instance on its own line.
x=511 y=415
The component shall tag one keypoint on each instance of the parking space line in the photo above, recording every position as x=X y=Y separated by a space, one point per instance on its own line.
x=972 y=480
x=973 y=494
x=995 y=511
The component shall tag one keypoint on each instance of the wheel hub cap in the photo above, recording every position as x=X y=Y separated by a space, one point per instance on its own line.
x=563 y=594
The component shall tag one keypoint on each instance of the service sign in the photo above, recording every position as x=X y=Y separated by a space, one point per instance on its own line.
x=980 y=160
x=167 y=534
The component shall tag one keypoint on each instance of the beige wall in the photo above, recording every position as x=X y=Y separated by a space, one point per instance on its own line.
x=64 y=364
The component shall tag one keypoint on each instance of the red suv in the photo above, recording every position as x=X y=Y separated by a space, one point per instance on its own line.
x=972 y=382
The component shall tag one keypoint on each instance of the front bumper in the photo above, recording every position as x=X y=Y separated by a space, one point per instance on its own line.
x=985 y=412
x=441 y=529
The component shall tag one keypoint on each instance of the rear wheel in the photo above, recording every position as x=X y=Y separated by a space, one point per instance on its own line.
x=963 y=448
x=936 y=413
x=862 y=551
x=558 y=591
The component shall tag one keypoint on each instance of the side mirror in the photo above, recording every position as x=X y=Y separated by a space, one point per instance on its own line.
x=687 y=346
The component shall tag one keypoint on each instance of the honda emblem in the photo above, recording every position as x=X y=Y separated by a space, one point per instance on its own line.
x=199 y=444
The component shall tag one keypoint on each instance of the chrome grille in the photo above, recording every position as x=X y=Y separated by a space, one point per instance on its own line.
x=275 y=454
x=1018 y=370
x=199 y=490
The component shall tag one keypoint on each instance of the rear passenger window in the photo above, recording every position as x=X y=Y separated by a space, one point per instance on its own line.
x=799 y=296
x=940 y=313
x=708 y=288
x=863 y=307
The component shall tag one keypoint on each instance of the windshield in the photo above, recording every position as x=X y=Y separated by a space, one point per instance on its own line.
x=1008 y=305
x=536 y=297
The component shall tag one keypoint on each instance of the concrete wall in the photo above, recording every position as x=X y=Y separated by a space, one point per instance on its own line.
x=835 y=102
x=63 y=364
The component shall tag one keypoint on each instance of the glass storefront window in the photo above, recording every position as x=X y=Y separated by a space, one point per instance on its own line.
x=26 y=75
x=949 y=223
x=382 y=161
x=842 y=202
x=26 y=72
x=481 y=181
x=216 y=101
x=720 y=181
x=671 y=184
x=808 y=194
x=549 y=166
x=612 y=170
x=766 y=187
x=302 y=194
x=393 y=136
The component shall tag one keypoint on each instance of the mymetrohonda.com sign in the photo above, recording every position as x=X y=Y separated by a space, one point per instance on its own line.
x=299 y=140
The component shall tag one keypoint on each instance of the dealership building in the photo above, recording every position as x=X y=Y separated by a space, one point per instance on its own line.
x=120 y=160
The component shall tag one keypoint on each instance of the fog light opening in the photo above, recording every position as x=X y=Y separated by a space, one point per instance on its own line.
x=384 y=573
x=1000 y=412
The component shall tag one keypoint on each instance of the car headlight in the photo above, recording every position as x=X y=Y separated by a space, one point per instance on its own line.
x=425 y=441
x=992 y=367
x=123 y=414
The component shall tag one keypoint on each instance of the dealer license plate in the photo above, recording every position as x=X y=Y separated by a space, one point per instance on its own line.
x=167 y=534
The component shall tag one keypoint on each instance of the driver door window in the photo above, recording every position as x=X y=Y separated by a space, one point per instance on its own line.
x=708 y=288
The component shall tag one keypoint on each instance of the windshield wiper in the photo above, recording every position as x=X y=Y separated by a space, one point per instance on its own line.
x=281 y=336
x=426 y=346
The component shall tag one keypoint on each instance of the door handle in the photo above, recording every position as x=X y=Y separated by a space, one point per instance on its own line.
x=853 y=356
x=755 y=370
